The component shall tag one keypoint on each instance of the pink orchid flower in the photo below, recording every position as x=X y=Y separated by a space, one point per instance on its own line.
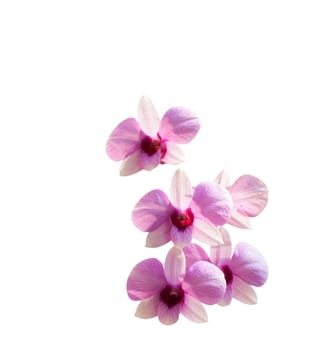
x=246 y=268
x=188 y=214
x=151 y=141
x=250 y=197
x=167 y=292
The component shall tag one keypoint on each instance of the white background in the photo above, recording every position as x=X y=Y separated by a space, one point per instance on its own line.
x=70 y=71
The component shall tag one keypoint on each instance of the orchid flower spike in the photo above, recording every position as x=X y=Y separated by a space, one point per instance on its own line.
x=167 y=292
x=189 y=213
x=244 y=269
x=146 y=143
x=249 y=195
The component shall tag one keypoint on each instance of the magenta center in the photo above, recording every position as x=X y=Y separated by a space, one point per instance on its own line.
x=150 y=146
x=172 y=295
x=182 y=219
x=228 y=274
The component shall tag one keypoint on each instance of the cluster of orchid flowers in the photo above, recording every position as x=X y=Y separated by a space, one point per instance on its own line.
x=190 y=276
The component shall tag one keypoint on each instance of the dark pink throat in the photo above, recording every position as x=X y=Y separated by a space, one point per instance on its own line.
x=171 y=296
x=228 y=274
x=150 y=146
x=182 y=219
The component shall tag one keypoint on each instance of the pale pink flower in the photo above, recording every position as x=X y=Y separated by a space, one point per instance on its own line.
x=244 y=269
x=190 y=213
x=146 y=143
x=250 y=197
x=167 y=292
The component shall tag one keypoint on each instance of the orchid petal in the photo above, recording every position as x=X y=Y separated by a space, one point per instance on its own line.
x=174 y=267
x=152 y=210
x=173 y=155
x=124 y=139
x=243 y=291
x=146 y=279
x=227 y=298
x=239 y=220
x=181 y=190
x=193 y=253
x=213 y=201
x=168 y=315
x=150 y=162
x=181 y=238
x=220 y=254
x=206 y=232
x=148 y=116
x=250 y=195
x=179 y=125
x=148 y=308
x=159 y=236
x=223 y=178
x=194 y=310
x=131 y=164
x=249 y=264
x=205 y=281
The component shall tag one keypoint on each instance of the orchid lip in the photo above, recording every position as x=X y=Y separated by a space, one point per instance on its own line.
x=171 y=296
x=228 y=274
x=151 y=145
x=182 y=219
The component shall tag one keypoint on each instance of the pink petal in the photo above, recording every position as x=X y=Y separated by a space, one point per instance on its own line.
x=223 y=178
x=150 y=162
x=148 y=308
x=168 y=315
x=249 y=264
x=205 y=281
x=181 y=190
x=152 y=210
x=131 y=164
x=194 y=310
x=227 y=298
x=220 y=254
x=239 y=220
x=148 y=117
x=179 y=125
x=173 y=155
x=206 y=232
x=124 y=139
x=146 y=279
x=250 y=195
x=174 y=267
x=181 y=238
x=243 y=291
x=193 y=253
x=159 y=236
x=213 y=201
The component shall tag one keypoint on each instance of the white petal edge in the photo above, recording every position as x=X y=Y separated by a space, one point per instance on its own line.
x=206 y=233
x=131 y=165
x=181 y=190
x=173 y=155
x=243 y=291
x=159 y=236
x=193 y=310
x=221 y=254
x=174 y=266
x=239 y=220
x=148 y=117
x=148 y=308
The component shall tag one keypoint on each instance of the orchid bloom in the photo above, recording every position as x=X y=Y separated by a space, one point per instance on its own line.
x=167 y=292
x=244 y=269
x=250 y=197
x=151 y=141
x=190 y=213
